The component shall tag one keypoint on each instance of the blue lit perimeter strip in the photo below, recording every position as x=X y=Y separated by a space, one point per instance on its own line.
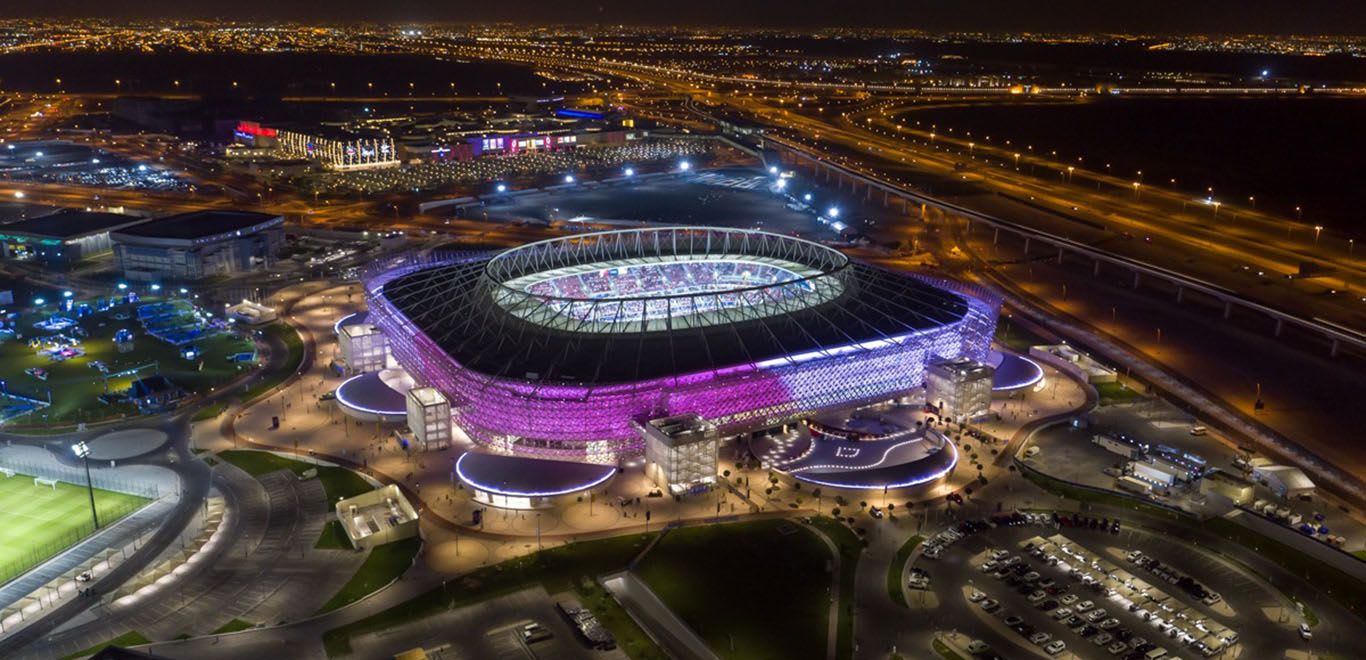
x=336 y=327
x=341 y=399
x=512 y=493
x=913 y=482
x=1036 y=377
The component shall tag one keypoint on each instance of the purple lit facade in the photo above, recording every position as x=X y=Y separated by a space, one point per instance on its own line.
x=592 y=422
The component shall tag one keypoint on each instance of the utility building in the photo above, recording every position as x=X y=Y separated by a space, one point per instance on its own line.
x=680 y=452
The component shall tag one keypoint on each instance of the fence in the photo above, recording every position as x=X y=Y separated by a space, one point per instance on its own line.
x=76 y=477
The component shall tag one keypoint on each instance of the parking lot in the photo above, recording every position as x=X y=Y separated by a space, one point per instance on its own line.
x=1071 y=581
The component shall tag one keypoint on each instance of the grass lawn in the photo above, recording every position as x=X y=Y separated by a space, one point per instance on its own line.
x=338 y=482
x=1116 y=393
x=896 y=574
x=40 y=522
x=381 y=566
x=333 y=537
x=131 y=638
x=760 y=588
x=558 y=569
x=76 y=386
x=851 y=549
x=234 y=626
x=944 y=651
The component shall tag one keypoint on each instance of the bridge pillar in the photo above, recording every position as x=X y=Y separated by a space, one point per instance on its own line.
x=1280 y=325
x=1138 y=278
x=1095 y=269
x=827 y=174
x=1059 y=255
x=886 y=199
x=1180 y=293
x=1333 y=352
x=869 y=196
x=995 y=237
x=1228 y=309
x=1026 y=245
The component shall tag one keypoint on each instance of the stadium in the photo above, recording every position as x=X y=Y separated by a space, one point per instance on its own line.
x=558 y=348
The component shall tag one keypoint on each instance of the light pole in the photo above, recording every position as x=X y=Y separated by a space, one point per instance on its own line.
x=1317 y=230
x=83 y=451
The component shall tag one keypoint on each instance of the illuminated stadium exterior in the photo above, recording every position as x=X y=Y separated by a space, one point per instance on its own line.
x=553 y=348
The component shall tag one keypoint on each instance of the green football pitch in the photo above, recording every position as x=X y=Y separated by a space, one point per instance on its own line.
x=37 y=522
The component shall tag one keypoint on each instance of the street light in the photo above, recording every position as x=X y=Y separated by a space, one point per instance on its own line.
x=502 y=188
x=684 y=166
x=82 y=450
x=1317 y=229
x=569 y=178
x=833 y=212
x=630 y=171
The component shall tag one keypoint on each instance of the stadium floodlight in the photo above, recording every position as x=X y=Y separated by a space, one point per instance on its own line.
x=684 y=166
x=82 y=451
x=502 y=188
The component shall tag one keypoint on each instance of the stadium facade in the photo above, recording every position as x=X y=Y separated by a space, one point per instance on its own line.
x=554 y=348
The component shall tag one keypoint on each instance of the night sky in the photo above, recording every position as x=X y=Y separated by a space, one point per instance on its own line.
x=1211 y=16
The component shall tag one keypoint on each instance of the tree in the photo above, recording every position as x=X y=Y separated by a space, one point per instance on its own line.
x=835 y=512
x=862 y=505
x=725 y=473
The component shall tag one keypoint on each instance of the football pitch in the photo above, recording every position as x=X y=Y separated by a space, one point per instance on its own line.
x=37 y=522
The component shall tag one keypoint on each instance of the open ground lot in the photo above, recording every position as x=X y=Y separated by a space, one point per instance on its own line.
x=725 y=197
x=37 y=522
x=751 y=590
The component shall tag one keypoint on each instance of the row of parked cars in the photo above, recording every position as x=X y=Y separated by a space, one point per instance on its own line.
x=1076 y=611
x=1172 y=576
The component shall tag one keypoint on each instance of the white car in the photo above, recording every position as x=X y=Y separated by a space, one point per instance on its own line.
x=1305 y=632
x=976 y=596
x=1085 y=605
x=978 y=647
x=1068 y=599
x=1062 y=613
x=1212 y=598
x=999 y=554
x=1055 y=647
x=1040 y=638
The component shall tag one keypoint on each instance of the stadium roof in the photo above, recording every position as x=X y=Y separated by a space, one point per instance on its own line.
x=454 y=306
x=72 y=224
x=198 y=224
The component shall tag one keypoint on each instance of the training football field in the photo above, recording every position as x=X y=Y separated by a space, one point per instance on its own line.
x=37 y=522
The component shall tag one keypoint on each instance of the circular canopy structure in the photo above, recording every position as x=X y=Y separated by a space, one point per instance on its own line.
x=1013 y=372
x=518 y=476
x=369 y=397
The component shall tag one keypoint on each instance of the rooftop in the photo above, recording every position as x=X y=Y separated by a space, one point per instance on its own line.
x=518 y=476
x=72 y=224
x=198 y=224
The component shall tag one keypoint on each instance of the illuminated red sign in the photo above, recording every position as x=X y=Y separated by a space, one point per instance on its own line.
x=256 y=129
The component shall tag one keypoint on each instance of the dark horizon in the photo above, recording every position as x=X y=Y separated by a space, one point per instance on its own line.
x=1314 y=17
